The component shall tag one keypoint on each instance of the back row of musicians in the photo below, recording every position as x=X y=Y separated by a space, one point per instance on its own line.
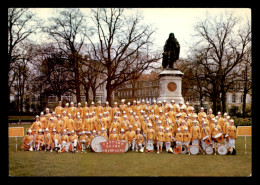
x=139 y=124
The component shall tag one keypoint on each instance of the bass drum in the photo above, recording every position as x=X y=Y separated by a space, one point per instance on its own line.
x=95 y=143
x=194 y=149
x=222 y=150
x=209 y=150
x=126 y=145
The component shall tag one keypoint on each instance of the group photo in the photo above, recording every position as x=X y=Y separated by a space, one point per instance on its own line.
x=129 y=92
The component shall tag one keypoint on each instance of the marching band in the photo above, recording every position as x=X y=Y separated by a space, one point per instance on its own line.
x=144 y=126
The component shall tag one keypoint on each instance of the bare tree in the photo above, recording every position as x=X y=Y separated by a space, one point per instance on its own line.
x=67 y=29
x=21 y=24
x=221 y=45
x=121 y=41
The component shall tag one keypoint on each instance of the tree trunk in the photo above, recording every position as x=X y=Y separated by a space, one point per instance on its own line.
x=77 y=84
x=244 y=103
x=223 y=102
x=109 y=91
x=86 y=94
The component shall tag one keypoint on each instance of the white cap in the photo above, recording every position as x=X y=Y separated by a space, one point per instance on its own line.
x=202 y=108
x=54 y=130
x=179 y=129
x=72 y=131
x=231 y=121
x=94 y=131
x=143 y=100
x=138 y=129
x=225 y=114
x=167 y=128
x=69 y=114
x=63 y=130
x=136 y=117
x=219 y=112
x=115 y=102
x=187 y=103
x=159 y=121
x=134 y=101
x=79 y=103
x=122 y=130
x=107 y=102
x=173 y=101
x=99 y=101
x=92 y=103
x=67 y=104
x=71 y=103
x=128 y=103
x=228 y=117
x=83 y=132
x=30 y=130
x=103 y=128
x=164 y=101
x=114 y=129
x=147 y=102
x=64 y=112
x=122 y=100
x=130 y=126
x=42 y=112
x=204 y=122
x=159 y=102
x=46 y=129
x=40 y=130
x=58 y=115
x=150 y=124
x=185 y=128
x=154 y=101
x=53 y=112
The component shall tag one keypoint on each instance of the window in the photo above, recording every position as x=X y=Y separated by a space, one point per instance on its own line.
x=233 y=98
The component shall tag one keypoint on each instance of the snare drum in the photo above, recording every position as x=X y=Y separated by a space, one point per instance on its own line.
x=205 y=137
x=194 y=149
x=95 y=143
x=184 y=149
x=222 y=150
x=209 y=150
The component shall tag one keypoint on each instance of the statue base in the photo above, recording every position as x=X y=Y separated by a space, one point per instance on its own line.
x=170 y=81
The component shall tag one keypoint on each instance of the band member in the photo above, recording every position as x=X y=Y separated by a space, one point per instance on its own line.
x=160 y=139
x=47 y=110
x=115 y=125
x=122 y=106
x=150 y=135
x=210 y=116
x=83 y=141
x=165 y=106
x=172 y=113
x=232 y=133
x=181 y=105
x=73 y=139
x=179 y=137
x=72 y=110
x=69 y=124
x=85 y=109
x=79 y=109
x=215 y=129
x=205 y=131
x=103 y=132
x=188 y=108
x=183 y=125
x=186 y=137
x=39 y=140
x=47 y=139
x=55 y=140
x=175 y=106
x=66 y=108
x=122 y=135
x=28 y=141
x=201 y=114
x=182 y=112
x=167 y=119
x=114 y=110
x=136 y=124
x=53 y=115
x=92 y=107
x=51 y=125
x=139 y=140
x=99 y=108
x=195 y=133
x=64 y=142
x=59 y=125
x=43 y=121
x=37 y=125
x=93 y=135
x=64 y=117
x=113 y=135
x=59 y=108
x=225 y=130
x=168 y=138
x=131 y=137
x=124 y=124
x=155 y=107
x=159 y=126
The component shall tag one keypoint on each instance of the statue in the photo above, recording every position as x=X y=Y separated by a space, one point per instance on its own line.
x=171 y=51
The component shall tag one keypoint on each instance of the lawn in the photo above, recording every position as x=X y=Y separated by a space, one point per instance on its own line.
x=24 y=163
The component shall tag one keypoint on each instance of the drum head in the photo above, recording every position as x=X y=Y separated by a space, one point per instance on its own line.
x=209 y=150
x=95 y=143
x=126 y=145
x=149 y=146
x=218 y=135
x=205 y=137
x=184 y=149
x=222 y=150
x=194 y=149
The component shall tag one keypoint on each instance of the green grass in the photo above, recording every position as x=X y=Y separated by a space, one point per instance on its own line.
x=24 y=163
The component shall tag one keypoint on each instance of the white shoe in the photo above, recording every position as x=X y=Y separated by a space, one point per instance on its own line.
x=158 y=152
x=51 y=151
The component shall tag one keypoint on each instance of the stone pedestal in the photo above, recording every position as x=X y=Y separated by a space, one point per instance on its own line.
x=170 y=85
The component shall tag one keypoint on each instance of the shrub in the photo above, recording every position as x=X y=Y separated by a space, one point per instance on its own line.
x=242 y=121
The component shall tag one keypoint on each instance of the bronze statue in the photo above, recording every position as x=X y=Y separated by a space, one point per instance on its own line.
x=171 y=51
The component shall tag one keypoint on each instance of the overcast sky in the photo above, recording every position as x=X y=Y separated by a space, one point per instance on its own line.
x=180 y=21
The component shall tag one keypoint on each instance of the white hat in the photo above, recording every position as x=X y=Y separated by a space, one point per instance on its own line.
x=47 y=109
x=159 y=102
x=130 y=126
x=231 y=121
x=64 y=112
x=122 y=100
x=83 y=132
x=79 y=103
x=143 y=100
x=138 y=102
x=204 y=116
x=154 y=101
x=150 y=124
x=51 y=118
x=115 y=117
x=173 y=101
x=115 y=102
x=185 y=128
x=100 y=114
x=225 y=114
x=134 y=101
x=159 y=121
x=93 y=131
x=37 y=116
x=125 y=116
x=201 y=108
x=180 y=103
x=47 y=130
x=72 y=131
x=42 y=112
x=53 y=112
x=160 y=111
x=160 y=127
x=156 y=116
x=30 y=130
x=167 y=128
x=166 y=114
x=204 y=122
x=103 y=128
x=187 y=103
x=134 y=113
x=219 y=112
x=71 y=103
x=164 y=101
x=67 y=104
x=210 y=109
x=138 y=129
x=58 y=115
x=228 y=117
x=40 y=130
x=124 y=112
x=122 y=130
x=181 y=108
x=130 y=111
x=183 y=121
x=99 y=101
x=92 y=103
x=114 y=129
x=128 y=103
x=54 y=130
x=179 y=129
x=69 y=114
x=136 y=117
x=63 y=130
x=107 y=102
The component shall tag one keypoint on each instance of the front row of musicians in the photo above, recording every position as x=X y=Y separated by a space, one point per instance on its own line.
x=71 y=141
